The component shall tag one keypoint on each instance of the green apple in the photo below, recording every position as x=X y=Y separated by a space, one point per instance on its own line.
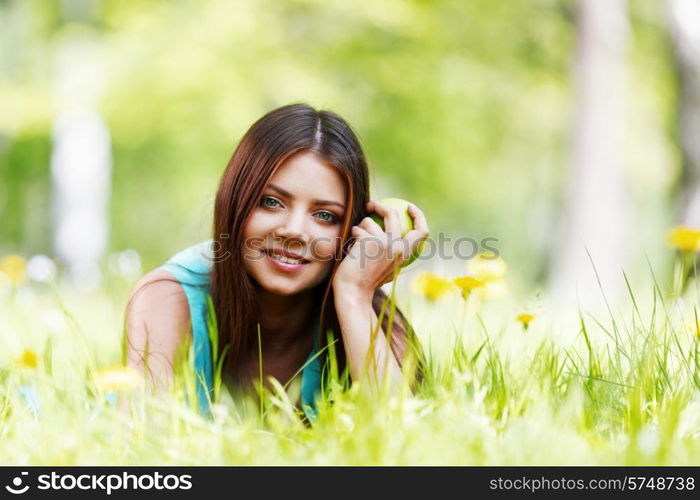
x=405 y=222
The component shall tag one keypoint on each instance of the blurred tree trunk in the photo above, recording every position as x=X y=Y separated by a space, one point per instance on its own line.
x=81 y=156
x=595 y=217
x=684 y=26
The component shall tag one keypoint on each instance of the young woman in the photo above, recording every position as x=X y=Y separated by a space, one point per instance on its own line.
x=293 y=255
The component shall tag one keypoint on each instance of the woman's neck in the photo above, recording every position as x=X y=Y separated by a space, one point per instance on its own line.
x=285 y=319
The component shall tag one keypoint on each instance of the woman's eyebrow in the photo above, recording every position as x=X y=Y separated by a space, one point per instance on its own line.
x=289 y=195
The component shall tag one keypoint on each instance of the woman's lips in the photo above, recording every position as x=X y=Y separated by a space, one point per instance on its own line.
x=284 y=266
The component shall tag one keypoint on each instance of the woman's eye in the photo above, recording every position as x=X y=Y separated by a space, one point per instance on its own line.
x=330 y=216
x=265 y=199
x=270 y=202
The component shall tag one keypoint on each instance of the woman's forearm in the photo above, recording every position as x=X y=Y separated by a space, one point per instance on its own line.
x=357 y=321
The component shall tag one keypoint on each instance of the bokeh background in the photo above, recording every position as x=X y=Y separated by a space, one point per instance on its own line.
x=568 y=130
x=547 y=124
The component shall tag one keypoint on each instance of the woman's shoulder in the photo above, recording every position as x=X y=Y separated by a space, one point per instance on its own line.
x=158 y=290
x=157 y=319
x=192 y=266
x=173 y=287
x=157 y=309
x=162 y=300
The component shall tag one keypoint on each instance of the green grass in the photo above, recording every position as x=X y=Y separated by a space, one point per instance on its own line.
x=618 y=387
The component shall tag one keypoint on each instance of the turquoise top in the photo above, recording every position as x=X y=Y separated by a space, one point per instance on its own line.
x=192 y=268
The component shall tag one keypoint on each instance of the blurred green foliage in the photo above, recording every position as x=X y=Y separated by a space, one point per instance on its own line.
x=464 y=108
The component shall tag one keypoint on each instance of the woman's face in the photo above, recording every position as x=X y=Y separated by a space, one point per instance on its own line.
x=300 y=212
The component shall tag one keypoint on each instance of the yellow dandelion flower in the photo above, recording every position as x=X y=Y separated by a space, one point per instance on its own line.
x=14 y=267
x=28 y=359
x=467 y=284
x=116 y=378
x=684 y=238
x=525 y=319
x=431 y=285
x=487 y=267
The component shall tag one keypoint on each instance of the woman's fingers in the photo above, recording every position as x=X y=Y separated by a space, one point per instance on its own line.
x=390 y=215
x=359 y=232
x=419 y=220
x=420 y=231
x=420 y=224
x=371 y=227
x=398 y=246
x=395 y=246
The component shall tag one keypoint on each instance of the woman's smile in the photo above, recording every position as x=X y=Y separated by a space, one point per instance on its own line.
x=283 y=263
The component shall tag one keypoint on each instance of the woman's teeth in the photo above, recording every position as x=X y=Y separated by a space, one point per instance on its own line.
x=285 y=259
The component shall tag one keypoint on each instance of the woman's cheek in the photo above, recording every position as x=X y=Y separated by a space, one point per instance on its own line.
x=319 y=250
x=260 y=222
x=326 y=246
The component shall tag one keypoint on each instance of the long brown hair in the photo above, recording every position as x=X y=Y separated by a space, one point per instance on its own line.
x=272 y=139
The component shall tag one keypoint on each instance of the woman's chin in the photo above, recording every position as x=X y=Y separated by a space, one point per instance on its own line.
x=288 y=285
x=283 y=292
x=284 y=289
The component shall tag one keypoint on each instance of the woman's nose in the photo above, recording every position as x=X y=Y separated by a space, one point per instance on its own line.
x=292 y=227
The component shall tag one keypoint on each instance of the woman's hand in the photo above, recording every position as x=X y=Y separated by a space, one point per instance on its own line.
x=375 y=256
